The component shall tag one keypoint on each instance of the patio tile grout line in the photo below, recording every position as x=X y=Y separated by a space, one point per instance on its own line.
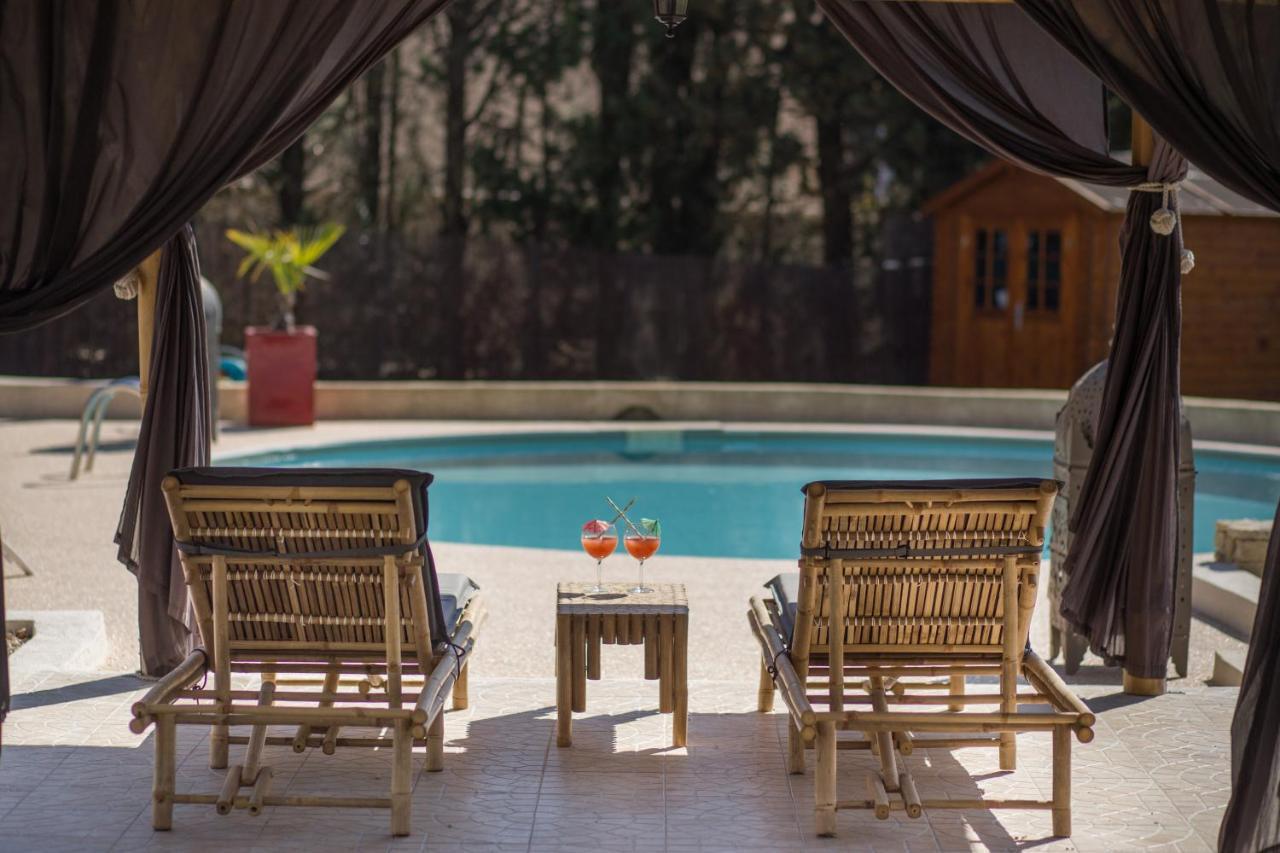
x=537 y=800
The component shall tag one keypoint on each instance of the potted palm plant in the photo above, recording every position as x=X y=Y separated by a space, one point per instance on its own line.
x=282 y=357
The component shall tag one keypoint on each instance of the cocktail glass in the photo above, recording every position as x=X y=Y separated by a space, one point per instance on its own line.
x=599 y=540
x=642 y=543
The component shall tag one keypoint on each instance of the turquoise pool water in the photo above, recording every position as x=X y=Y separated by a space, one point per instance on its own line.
x=718 y=493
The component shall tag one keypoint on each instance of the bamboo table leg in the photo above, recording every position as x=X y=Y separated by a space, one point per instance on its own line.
x=680 y=677
x=564 y=681
x=578 y=661
x=666 y=630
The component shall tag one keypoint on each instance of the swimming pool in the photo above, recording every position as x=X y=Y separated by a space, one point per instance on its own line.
x=719 y=493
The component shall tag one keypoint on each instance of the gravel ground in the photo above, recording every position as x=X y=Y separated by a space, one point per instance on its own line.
x=13 y=639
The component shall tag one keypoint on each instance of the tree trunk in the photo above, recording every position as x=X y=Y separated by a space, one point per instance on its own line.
x=369 y=167
x=457 y=53
x=290 y=185
x=837 y=202
x=612 y=52
x=393 y=127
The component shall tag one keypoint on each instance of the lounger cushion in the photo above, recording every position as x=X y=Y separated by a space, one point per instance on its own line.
x=455 y=591
x=786 y=592
x=925 y=485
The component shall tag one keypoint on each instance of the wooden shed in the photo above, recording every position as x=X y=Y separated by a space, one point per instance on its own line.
x=1025 y=275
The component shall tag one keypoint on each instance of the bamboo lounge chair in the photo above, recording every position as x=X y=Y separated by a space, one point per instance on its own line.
x=321 y=582
x=927 y=579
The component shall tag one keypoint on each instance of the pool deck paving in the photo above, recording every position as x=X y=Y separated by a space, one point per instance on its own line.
x=72 y=776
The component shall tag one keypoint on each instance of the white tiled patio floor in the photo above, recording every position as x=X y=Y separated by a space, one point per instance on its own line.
x=72 y=777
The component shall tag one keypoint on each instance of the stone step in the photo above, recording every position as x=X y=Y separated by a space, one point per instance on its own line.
x=1225 y=594
x=1228 y=669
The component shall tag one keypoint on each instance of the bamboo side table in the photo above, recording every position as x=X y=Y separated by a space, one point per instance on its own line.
x=659 y=620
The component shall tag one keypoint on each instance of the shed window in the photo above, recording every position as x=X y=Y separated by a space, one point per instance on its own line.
x=1044 y=270
x=991 y=269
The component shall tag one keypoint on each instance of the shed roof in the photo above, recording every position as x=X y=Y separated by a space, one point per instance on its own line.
x=1201 y=195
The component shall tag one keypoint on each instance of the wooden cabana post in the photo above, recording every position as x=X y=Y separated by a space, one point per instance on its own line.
x=148 y=271
x=1142 y=141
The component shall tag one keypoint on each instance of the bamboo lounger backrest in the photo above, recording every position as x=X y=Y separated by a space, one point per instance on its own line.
x=919 y=568
x=303 y=572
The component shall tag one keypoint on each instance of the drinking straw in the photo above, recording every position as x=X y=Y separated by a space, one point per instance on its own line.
x=622 y=513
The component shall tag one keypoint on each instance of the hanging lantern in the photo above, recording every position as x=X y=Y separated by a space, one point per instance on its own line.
x=670 y=13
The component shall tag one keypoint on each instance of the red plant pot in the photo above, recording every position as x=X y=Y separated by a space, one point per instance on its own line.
x=282 y=375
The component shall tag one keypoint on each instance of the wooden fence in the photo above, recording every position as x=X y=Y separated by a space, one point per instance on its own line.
x=484 y=309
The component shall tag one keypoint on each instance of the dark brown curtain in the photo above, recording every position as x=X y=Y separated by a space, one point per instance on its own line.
x=990 y=74
x=1120 y=594
x=120 y=119
x=175 y=426
x=1205 y=74
x=1252 y=821
x=995 y=77
x=4 y=658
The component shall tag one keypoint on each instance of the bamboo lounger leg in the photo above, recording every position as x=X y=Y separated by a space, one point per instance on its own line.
x=1061 y=781
x=824 y=783
x=221 y=663
x=435 y=744
x=884 y=739
x=1010 y=656
x=162 y=787
x=401 y=778
x=331 y=680
x=957 y=689
x=460 y=691
x=795 y=749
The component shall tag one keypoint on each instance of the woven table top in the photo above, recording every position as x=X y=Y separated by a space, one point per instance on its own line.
x=666 y=598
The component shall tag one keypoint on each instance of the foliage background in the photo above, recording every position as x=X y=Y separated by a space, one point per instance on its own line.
x=552 y=189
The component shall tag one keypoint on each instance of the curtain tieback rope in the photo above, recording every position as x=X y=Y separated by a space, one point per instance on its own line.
x=1164 y=221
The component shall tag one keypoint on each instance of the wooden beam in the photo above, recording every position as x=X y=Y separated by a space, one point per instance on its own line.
x=1143 y=142
x=148 y=271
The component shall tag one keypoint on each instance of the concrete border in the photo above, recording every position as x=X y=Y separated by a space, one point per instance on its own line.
x=61 y=641
x=1233 y=421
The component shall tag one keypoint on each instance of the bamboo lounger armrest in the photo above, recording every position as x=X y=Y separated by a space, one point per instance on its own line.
x=436 y=688
x=793 y=694
x=164 y=691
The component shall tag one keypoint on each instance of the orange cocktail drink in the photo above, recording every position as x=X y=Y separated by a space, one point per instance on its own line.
x=599 y=540
x=642 y=542
x=642 y=547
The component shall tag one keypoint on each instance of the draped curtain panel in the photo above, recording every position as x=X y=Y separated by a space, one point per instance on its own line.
x=1205 y=74
x=175 y=426
x=1125 y=522
x=4 y=658
x=995 y=77
x=120 y=120
x=990 y=74
x=1252 y=821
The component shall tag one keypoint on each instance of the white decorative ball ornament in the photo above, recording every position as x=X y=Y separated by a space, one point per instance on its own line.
x=1163 y=221
x=128 y=287
x=1188 y=261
